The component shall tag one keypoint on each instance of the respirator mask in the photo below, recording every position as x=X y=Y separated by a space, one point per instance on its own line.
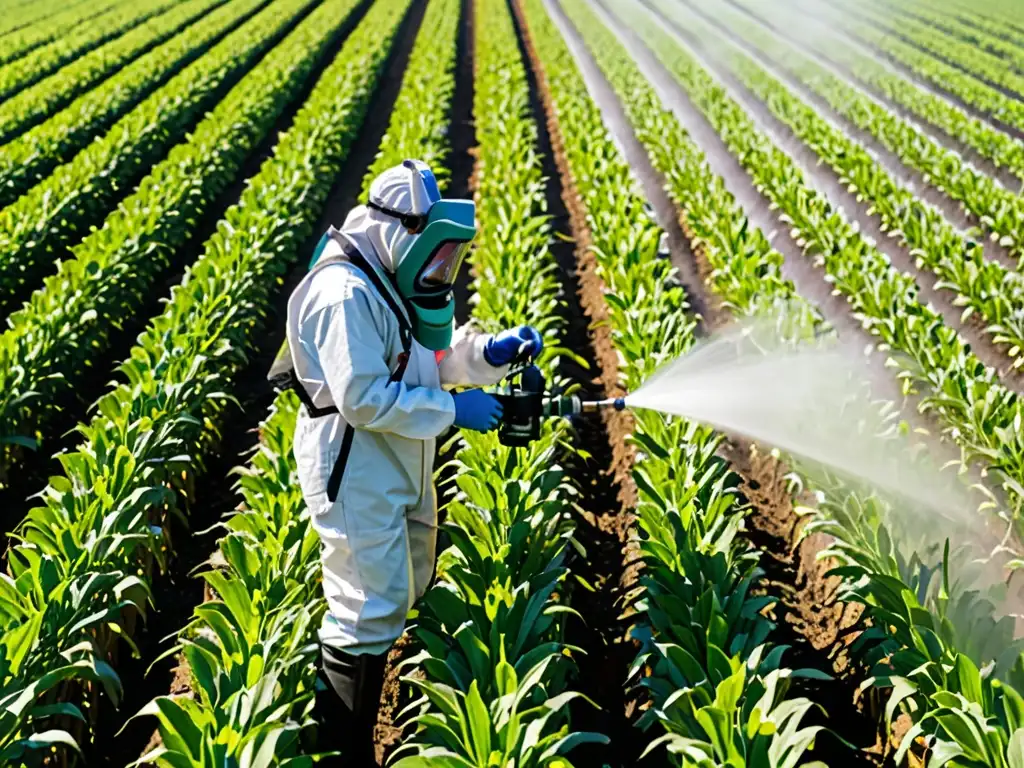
x=430 y=262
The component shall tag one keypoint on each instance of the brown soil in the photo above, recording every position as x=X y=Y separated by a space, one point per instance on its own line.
x=608 y=495
x=809 y=618
x=394 y=698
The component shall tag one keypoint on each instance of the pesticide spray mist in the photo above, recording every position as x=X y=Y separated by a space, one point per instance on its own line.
x=809 y=401
x=814 y=402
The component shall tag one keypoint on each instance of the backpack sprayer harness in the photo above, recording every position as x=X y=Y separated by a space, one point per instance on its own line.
x=525 y=403
x=282 y=374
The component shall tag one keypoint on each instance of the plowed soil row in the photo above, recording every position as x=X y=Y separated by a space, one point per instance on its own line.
x=809 y=618
x=608 y=493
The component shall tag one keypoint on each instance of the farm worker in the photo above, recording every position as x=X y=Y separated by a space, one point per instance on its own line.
x=373 y=345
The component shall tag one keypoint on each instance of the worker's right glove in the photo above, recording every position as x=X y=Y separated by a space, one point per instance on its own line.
x=513 y=346
x=476 y=410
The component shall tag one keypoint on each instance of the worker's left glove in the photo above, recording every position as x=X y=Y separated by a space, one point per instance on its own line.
x=513 y=346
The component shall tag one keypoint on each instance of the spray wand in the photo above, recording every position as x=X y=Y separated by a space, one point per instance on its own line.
x=526 y=402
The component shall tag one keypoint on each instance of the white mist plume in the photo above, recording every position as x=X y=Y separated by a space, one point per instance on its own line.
x=813 y=401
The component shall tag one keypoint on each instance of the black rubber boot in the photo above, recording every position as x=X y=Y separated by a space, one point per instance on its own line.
x=357 y=681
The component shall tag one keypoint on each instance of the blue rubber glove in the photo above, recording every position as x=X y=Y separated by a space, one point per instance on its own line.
x=476 y=410
x=513 y=346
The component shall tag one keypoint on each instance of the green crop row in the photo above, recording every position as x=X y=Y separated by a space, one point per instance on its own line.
x=977 y=411
x=981 y=285
x=928 y=636
x=270 y=548
x=251 y=651
x=977 y=36
x=27 y=160
x=419 y=117
x=1001 y=149
x=944 y=76
x=38 y=229
x=84 y=554
x=34 y=24
x=34 y=105
x=62 y=327
x=996 y=209
x=986 y=18
x=28 y=70
x=493 y=655
x=968 y=57
x=716 y=686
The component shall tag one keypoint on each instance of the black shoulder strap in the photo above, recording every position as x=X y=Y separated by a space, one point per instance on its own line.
x=354 y=257
x=404 y=328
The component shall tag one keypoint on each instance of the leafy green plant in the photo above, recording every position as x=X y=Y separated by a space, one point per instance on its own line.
x=27 y=160
x=251 y=652
x=956 y=258
x=77 y=194
x=946 y=77
x=139 y=455
x=31 y=25
x=31 y=69
x=62 y=326
x=976 y=410
x=34 y=104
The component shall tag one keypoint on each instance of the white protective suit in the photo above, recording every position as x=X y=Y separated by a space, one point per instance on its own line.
x=379 y=536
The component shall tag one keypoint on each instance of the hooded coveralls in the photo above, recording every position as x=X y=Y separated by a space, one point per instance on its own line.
x=379 y=535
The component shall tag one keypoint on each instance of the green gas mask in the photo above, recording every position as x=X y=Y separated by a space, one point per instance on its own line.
x=426 y=275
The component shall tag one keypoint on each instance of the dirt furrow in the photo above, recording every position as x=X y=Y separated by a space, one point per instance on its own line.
x=609 y=495
x=605 y=518
x=841 y=71
x=903 y=174
x=177 y=592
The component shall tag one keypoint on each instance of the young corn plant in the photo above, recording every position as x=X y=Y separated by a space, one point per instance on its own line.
x=495 y=663
x=42 y=224
x=697 y=619
x=977 y=412
x=27 y=160
x=251 y=651
x=909 y=621
x=112 y=271
x=139 y=455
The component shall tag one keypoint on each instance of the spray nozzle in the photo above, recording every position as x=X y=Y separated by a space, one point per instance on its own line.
x=591 y=406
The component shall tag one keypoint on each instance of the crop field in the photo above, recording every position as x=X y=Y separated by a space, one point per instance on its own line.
x=633 y=589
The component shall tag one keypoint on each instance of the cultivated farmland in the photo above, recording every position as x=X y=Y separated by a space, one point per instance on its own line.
x=632 y=588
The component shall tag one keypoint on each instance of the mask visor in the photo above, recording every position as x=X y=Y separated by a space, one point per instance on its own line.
x=443 y=265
